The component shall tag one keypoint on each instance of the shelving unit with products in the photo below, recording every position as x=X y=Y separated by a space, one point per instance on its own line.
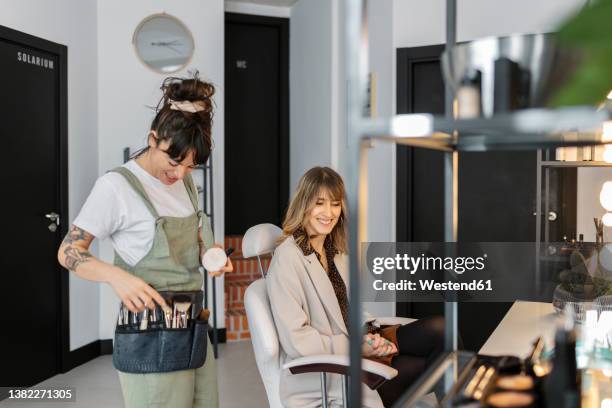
x=559 y=234
x=526 y=129
x=546 y=169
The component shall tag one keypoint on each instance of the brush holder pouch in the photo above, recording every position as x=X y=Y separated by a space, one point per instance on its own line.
x=159 y=349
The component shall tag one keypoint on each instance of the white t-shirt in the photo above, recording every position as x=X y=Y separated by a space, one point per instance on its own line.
x=115 y=210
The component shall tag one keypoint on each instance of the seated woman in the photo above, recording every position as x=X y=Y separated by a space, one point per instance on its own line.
x=307 y=287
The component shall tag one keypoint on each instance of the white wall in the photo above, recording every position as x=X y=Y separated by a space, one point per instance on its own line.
x=417 y=23
x=57 y=21
x=381 y=158
x=127 y=87
x=310 y=86
x=318 y=106
x=257 y=9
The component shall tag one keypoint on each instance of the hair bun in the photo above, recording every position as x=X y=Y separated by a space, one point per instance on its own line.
x=188 y=89
x=187 y=131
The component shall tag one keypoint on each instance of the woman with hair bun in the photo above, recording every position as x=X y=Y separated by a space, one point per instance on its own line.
x=149 y=209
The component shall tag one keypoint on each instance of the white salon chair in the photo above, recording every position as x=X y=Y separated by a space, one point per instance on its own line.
x=261 y=240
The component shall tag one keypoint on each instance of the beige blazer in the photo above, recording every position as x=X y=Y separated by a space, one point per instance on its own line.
x=309 y=321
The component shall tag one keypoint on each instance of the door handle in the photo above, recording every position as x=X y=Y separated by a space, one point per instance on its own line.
x=54 y=217
x=55 y=221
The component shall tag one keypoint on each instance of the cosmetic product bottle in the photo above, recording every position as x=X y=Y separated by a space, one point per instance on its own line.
x=561 y=386
x=571 y=154
x=468 y=96
x=511 y=86
x=560 y=154
x=598 y=154
x=587 y=153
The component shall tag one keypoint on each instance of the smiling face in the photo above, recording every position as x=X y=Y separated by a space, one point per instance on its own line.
x=164 y=167
x=324 y=214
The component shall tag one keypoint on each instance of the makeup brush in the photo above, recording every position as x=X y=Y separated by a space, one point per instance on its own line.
x=174 y=317
x=182 y=308
x=144 y=320
x=168 y=316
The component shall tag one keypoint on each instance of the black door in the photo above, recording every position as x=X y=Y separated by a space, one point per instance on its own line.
x=560 y=184
x=256 y=121
x=497 y=191
x=33 y=131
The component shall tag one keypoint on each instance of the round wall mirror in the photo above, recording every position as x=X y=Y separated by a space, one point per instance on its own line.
x=163 y=43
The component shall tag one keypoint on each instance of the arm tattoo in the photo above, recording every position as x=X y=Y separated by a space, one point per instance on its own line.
x=75 y=257
x=76 y=234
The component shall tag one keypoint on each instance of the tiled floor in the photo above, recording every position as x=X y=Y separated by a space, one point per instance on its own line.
x=97 y=385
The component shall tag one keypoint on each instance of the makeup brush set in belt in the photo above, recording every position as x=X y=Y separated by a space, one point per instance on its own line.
x=178 y=316
x=163 y=339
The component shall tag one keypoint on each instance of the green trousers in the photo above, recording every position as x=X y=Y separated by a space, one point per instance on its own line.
x=179 y=389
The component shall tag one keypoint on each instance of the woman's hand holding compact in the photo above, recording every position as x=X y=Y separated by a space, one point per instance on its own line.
x=376 y=346
x=214 y=268
x=227 y=268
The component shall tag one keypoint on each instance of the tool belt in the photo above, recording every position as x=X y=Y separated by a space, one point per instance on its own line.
x=162 y=340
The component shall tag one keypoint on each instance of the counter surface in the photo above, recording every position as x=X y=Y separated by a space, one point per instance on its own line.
x=519 y=328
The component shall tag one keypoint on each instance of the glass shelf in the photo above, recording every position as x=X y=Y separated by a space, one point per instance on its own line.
x=585 y=163
x=527 y=129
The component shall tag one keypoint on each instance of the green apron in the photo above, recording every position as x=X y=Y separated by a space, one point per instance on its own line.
x=173 y=263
